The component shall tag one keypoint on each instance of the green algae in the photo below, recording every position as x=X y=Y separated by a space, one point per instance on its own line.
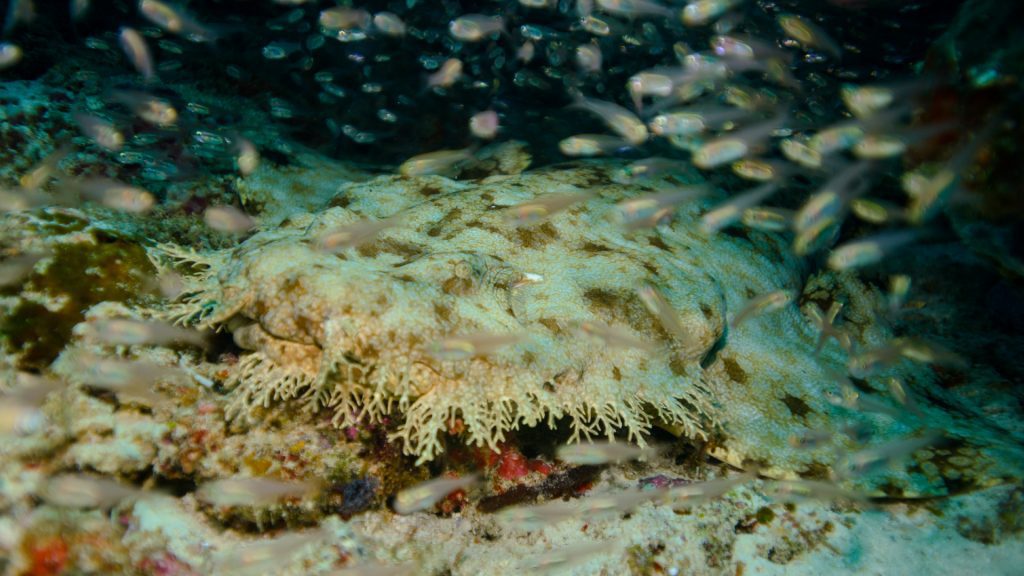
x=764 y=515
x=644 y=559
x=79 y=276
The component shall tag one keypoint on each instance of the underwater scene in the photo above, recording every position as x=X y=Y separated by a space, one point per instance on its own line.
x=511 y=287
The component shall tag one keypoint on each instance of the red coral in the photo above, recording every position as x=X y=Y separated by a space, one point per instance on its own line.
x=540 y=466
x=453 y=503
x=49 y=557
x=512 y=465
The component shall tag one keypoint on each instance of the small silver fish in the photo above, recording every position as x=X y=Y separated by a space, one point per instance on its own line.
x=801 y=490
x=879 y=147
x=732 y=147
x=618 y=502
x=10 y=54
x=253 y=491
x=113 y=194
x=837 y=138
x=618 y=119
x=19 y=419
x=475 y=27
x=701 y=67
x=925 y=352
x=31 y=389
x=344 y=18
x=649 y=83
x=78 y=8
x=933 y=191
x=598 y=453
x=899 y=287
x=16 y=268
x=767 y=219
x=175 y=20
x=41 y=173
x=694 y=121
x=808 y=34
x=389 y=24
x=871 y=361
x=19 y=12
x=655 y=209
x=132 y=379
x=926 y=193
x=589 y=58
x=20 y=200
x=539 y=210
x=535 y=517
x=135 y=47
x=897 y=390
x=130 y=332
x=702 y=12
x=731 y=47
x=86 y=491
x=592 y=145
x=351 y=235
x=876 y=211
x=677 y=124
x=699 y=493
x=437 y=162
x=228 y=219
x=829 y=201
x=464 y=347
x=863 y=101
x=634 y=8
x=262 y=557
x=154 y=110
x=763 y=304
x=102 y=132
x=596 y=25
x=851 y=399
x=558 y=560
x=484 y=124
x=612 y=336
x=660 y=308
x=825 y=323
x=247 y=157
x=377 y=569
x=449 y=73
x=870 y=250
x=731 y=211
x=819 y=234
x=647 y=168
x=424 y=495
x=868 y=460
x=525 y=52
x=800 y=151
x=169 y=284
x=810 y=439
